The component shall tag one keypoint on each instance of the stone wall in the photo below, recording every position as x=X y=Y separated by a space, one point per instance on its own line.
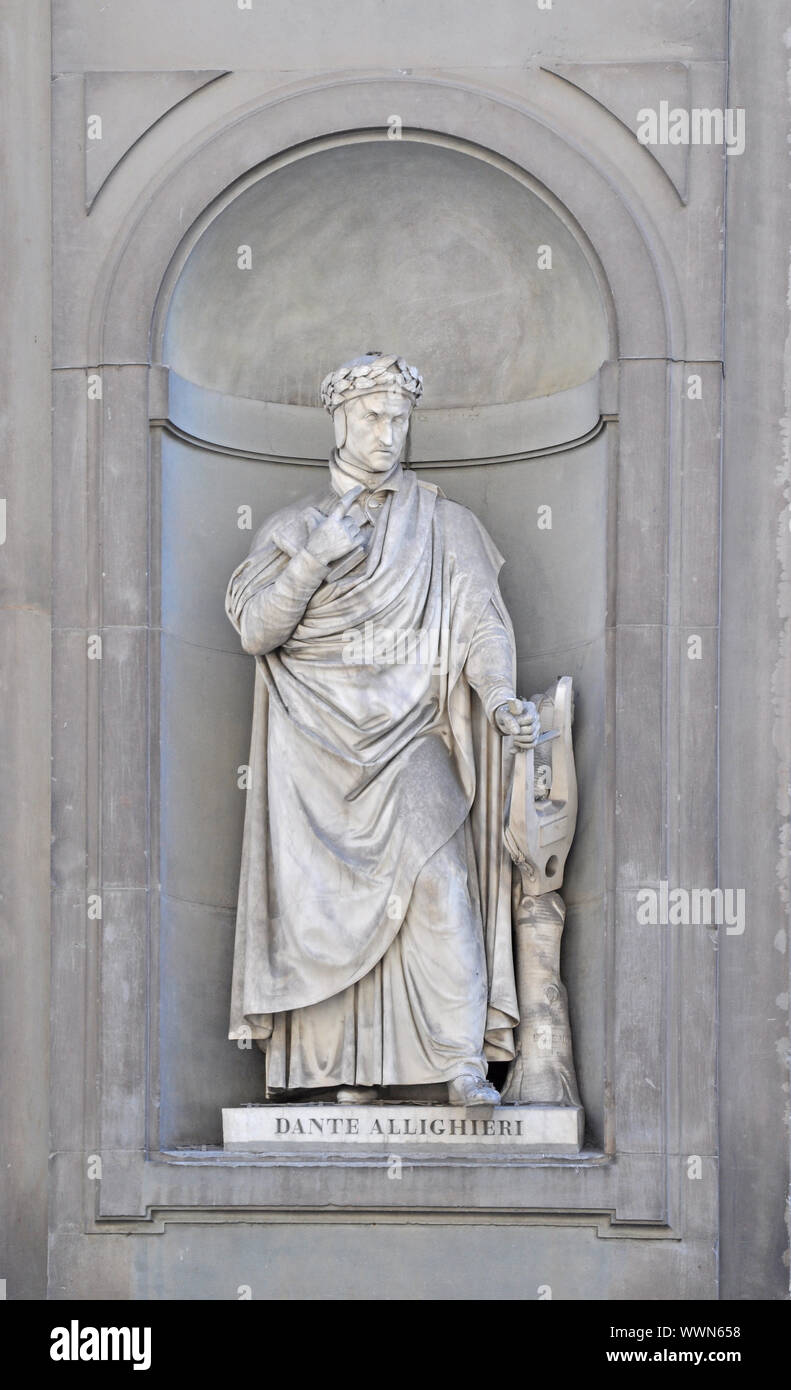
x=441 y=153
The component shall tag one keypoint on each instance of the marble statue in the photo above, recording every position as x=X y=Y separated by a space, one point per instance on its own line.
x=374 y=946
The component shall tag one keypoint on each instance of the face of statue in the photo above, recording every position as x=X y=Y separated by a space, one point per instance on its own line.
x=375 y=428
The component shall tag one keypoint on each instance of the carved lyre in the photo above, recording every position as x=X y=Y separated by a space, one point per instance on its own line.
x=541 y=816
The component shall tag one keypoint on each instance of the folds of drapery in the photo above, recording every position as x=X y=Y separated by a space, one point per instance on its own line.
x=360 y=772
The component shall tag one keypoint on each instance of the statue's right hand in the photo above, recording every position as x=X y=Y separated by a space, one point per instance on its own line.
x=337 y=534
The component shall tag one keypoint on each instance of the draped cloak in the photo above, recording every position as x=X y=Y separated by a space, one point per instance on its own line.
x=362 y=768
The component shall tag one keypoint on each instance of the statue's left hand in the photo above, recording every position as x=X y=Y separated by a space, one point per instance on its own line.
x=520 y=718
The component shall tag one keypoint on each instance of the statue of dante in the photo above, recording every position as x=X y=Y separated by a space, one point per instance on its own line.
x=373 y=937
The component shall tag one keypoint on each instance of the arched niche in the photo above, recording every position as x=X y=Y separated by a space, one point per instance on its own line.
x=466 y=268
x=475 y=274
x=164 y=1089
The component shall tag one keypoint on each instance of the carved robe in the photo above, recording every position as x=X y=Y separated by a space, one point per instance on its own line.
x=373 y=934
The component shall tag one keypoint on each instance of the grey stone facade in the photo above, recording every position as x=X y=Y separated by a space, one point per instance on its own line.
x=638 y=388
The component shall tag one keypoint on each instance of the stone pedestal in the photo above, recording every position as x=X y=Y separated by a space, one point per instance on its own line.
x=441 y=1129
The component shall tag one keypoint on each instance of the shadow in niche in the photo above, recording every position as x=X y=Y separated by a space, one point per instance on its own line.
x=497 y=1074
x=438 y=305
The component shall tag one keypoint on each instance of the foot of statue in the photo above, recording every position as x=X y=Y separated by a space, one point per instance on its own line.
x=357 y=1095
x=472 y=1088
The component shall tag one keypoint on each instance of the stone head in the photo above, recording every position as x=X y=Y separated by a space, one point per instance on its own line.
x=371 y=400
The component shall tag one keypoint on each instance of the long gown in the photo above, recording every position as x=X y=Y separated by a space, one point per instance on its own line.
x=373 y=935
